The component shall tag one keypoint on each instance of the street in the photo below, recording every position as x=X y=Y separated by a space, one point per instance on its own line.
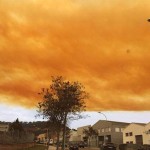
x=86 y=148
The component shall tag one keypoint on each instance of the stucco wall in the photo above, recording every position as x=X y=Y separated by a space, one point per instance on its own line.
x=136 y=129
x=146 y=135
x=116 y=137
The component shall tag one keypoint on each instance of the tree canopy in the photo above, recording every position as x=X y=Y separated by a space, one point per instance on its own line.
x=16 y=126
x=61 y=100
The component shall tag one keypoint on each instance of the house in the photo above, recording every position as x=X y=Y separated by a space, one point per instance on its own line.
x=133 y=133
x=77 y=136
x=137 y=133
x=42 y=137
x=4 y=127
x=146 y=135
x=74 y=137
x=108 y=131
x=81 y=135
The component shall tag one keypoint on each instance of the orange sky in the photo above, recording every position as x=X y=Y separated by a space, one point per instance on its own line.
x=101 y=43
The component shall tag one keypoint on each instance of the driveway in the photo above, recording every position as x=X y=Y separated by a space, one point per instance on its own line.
x=52 y=148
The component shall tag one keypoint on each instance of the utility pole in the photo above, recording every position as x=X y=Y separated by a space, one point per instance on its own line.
x=103 y=115
x=104 y=129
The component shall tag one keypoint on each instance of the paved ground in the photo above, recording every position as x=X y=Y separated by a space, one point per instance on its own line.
x=92 y=148
x=52 y=148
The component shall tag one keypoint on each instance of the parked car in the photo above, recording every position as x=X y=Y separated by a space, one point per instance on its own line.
x=108 y=146
x=81 y=145
x=73 y=147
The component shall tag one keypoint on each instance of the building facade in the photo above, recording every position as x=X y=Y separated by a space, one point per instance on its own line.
x=137 y=133
x=74 y=137
x=80 y=133
x=146 y=135
x=133 y=133
x=4 y=127
x=108 y=131
x=42 y=137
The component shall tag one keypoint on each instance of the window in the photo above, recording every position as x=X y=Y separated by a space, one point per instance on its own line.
x=130 y=134
x=99 y=131
x=127 y=142
x=122 y=129
x=107 y=129
x=117 y=129
x=131 y=142
x=102 y=129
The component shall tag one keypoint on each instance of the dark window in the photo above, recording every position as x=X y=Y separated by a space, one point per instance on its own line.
x=130 y=134
x=131 y=142
x=126 y=134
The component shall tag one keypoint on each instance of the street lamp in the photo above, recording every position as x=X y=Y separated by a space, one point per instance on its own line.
x=103 y=115
x=105 y=136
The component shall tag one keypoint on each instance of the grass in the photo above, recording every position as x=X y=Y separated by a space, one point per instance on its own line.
x=36 y=147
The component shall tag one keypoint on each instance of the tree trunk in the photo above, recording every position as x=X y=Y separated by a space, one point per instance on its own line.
x=57 y=146
x=89 y=142
x=64 y=132
x=48 y=137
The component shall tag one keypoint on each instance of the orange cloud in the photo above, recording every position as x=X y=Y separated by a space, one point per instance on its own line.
x=102 y=44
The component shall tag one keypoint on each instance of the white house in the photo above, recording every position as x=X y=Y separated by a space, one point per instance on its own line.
x=74 y=137
x=146 y=134
x=4 y=127
x=42 y=137
x=81 y=134
x=134 y=133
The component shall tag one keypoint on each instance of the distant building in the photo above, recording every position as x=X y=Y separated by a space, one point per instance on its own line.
x=81 y=135
x=73 y=136
x=108 y=131
x=4 y=127
x=137 y=133
x=42 y=137
x=77 y=136
x=146 y=135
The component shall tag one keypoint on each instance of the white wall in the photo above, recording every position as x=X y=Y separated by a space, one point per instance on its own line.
x=4 y=127
x=146 y=135
x=74 y=136
x=136 y=129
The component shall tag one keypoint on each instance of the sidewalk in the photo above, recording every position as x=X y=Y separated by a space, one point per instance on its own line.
x=93 y=148
x=86 y=148
x=52 y=148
